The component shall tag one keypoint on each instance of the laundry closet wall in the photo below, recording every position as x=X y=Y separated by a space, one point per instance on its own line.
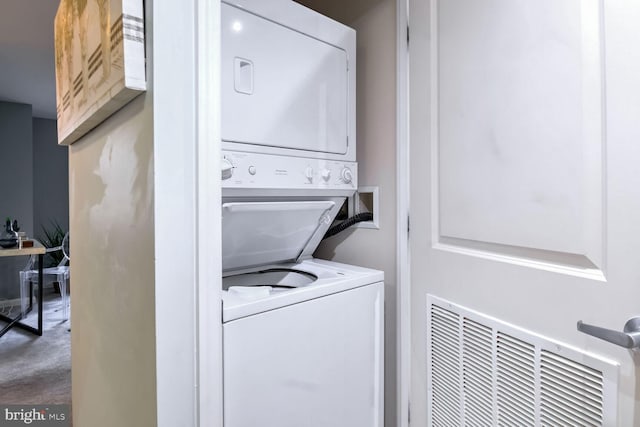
x=144 y=216
x=112 y=271
x=113 y=334
x=375 y=23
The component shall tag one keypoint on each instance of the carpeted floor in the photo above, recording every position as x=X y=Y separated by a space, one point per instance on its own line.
x=33 y=369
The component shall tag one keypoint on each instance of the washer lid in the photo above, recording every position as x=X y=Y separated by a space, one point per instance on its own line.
x=261 y=233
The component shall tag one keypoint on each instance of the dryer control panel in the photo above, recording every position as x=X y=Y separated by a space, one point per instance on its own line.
x=252 y=170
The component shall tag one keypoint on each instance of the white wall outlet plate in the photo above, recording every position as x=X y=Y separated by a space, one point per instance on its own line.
x=366 y=199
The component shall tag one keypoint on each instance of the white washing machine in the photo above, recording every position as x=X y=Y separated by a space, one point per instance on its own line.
x=303 y=346
x=303 y=338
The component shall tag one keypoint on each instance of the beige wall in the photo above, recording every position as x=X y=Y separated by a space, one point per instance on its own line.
x=112 y=269
x=375 y=23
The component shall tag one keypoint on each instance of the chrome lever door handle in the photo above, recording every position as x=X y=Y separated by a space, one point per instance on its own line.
x=629 y=338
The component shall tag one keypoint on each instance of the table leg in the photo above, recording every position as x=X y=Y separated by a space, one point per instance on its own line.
x=15 y=322
x=40 y=292
x=12 y=322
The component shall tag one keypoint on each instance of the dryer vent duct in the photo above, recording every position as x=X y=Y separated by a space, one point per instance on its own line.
x=482 y=372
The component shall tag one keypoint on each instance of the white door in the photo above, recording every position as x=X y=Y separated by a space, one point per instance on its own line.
x=525 y=209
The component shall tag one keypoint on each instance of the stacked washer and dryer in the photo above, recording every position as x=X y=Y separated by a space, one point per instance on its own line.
x=303 y=337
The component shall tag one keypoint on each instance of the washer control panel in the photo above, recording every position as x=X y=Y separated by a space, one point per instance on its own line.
x=252 y=170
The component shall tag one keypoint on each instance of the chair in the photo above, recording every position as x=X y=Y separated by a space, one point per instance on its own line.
x=60 y=272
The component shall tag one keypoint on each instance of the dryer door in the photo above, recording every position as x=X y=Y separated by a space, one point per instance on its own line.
x=261 y=233
x=281 y=88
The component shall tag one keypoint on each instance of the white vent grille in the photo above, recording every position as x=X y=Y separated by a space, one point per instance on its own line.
x=446 y=361
x=477 y=356
x=516 y=365
x=484 y=372
x=571 y=393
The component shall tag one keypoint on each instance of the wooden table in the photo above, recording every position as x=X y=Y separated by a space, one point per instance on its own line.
x=39 y=250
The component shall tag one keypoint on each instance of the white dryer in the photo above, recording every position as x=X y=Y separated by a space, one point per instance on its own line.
x=288 y=81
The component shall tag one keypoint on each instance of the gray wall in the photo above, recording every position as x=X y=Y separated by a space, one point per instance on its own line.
x=16 y=165
x=50 y=177
x=35 y=181
x=16 y=179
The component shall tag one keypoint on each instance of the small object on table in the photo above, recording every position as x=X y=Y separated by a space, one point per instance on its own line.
x=28 y=243
x=22 y=236
x=8 y=238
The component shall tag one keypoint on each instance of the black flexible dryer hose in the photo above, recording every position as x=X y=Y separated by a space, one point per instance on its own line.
x=364 y=216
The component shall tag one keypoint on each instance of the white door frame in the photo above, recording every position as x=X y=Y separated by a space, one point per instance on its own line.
x=185 y=68
x=403 y=277
x=209 y=222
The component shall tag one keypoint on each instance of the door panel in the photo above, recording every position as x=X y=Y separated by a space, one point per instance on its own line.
x=524 y=190
x=518 y=120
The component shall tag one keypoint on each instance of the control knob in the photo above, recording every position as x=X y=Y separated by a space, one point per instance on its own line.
x=325 y=174
x=346 y=175
x=226 y=168
x=309 y=173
